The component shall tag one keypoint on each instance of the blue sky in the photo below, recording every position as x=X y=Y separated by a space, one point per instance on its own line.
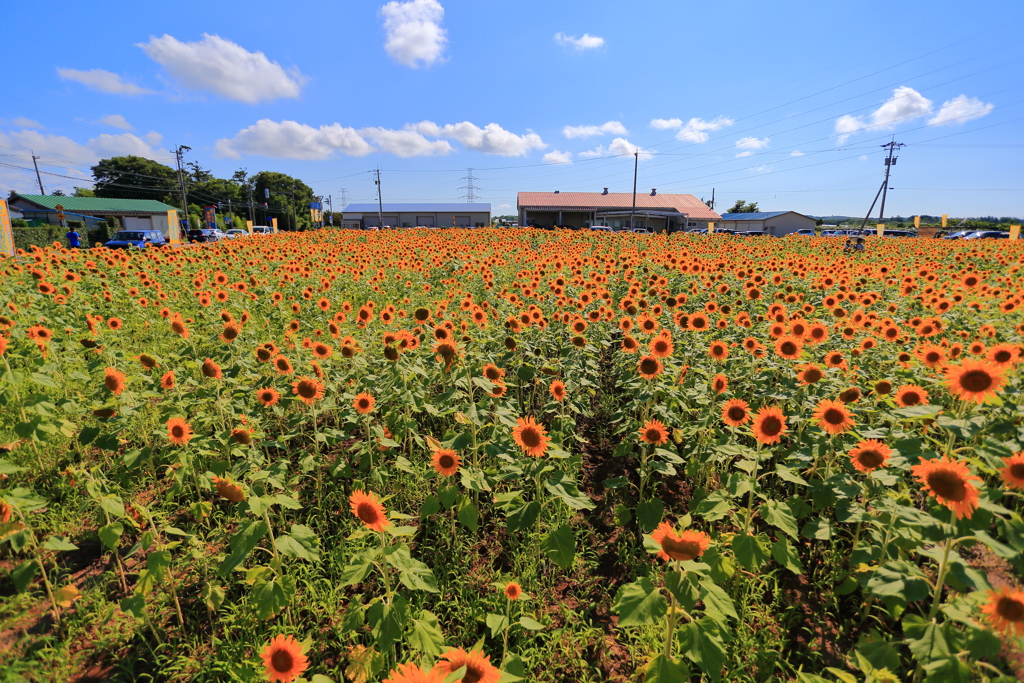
x=783 y=103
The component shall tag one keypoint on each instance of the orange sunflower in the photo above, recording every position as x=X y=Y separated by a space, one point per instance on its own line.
x=178 y=431
x=513 y=590
x=867 y=456
x=530 y=436
x=661 y=346
x=789 y=347
x=911 y=395
x=1005 y=611
x=363 y=403
x=283 y=659
x=211 y=369
x=735 y=412
x=446 y=461
x=367 y=507
x=769 y=425
x=114 y=380
x=1013 y=472
x=167 y=381
x=478 y=666
x=654 y=432
x=649 y=367
x=720 y=383
x=950 y=482
x=308 y=390
x=833 y=417
x=228 y=490
x=809 y=374
x=974 y=380
x=684 y=546
x=267 y=396
x=412 y=673
x=557 y=390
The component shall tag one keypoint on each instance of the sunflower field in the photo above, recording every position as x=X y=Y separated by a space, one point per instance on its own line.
x=513 y=455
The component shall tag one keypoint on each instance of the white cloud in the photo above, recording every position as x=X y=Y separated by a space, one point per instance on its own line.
x=556 y=157
x=414 y=32
x=219 y=66
x=796 y=153
x=904 y=105
x=623 y=147
x=504 y=206
x=763 y=168
x=116 y=121
x=293 y=140
x=103 y=81
x=491 y=139
x=22 y=122
x=752 y=143
x=584 y=42
x=65 y=149
x=406 y=143
x=744 y=154
x=610 y=127
x=598 y=151
x=960 y=109
x=862 y=157
x=695 y=130
x=153 y=138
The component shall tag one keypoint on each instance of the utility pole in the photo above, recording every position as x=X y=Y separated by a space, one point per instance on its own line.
x=380 y=202
x=252 y=210
x=469 y=187
x=892 y=146
x=38 y=177
x=330 y=203
x=179 y=153
x=636 y=164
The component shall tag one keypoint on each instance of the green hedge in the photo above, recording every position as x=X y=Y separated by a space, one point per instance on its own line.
x=46 y=235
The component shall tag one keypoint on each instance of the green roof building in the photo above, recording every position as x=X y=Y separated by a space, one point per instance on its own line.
x=133 y=214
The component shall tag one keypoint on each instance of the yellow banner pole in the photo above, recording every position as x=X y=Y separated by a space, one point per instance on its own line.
x=711 y=228
x=880 y=229
x=1014 y=232
x=6 y=231
x=917 y=222
x=945 y=218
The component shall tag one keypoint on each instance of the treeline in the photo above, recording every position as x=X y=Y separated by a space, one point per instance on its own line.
x=272 y=194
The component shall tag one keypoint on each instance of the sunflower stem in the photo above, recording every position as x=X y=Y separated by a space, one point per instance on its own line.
x=943 y=568
x=384 y=567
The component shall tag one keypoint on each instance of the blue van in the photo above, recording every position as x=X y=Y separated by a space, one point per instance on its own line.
x=139 y=239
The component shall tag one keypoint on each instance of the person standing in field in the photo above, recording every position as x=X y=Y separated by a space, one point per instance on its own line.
x=73 y=238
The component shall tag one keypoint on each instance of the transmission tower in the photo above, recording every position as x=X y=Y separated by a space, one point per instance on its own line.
x=344 y=198
x=890 y=161
x=469 y=187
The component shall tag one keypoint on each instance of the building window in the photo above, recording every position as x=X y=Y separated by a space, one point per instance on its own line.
x=693 y=224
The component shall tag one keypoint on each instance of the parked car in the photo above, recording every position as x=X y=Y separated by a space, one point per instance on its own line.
x=958 y=235
x=138 y=239
x=802 y=232
x=236 y=232
x=753 y=233
x=988 y=235
x=262 y=230
x=898 y=233
x=601 y=228
x=204 y=235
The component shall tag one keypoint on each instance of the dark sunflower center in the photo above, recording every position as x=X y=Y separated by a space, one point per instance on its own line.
x=680 y=550
x=367 y=513
x=883 y=387
x=282 y=661
x=870 y=458
x=771 y=425
x=661 y=347
x=911 y=398
x=648 y=366
x=492 y=374
x=834 y=416
x=530 y=437
x=307 y=390
x=736 y=413
x=1017 y=470
x=178 y=431
x=364 y=404
x=933 y=357
x=811 y=376
x=788 y=348
x=653 y=434
x=1002 y=356
x=446 y=461
x=976 y=380
x=230 y=333
x=947 y=485
x=1010 y=609
x=473 y=673
x=699 y=323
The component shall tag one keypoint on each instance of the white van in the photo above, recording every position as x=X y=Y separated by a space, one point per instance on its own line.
x=262 y=230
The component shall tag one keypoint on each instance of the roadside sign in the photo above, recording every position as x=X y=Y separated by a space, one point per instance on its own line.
x=60 y=212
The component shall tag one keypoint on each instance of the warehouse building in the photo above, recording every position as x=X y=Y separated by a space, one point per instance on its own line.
x=577 y=210
x=134 y=214
x=776 y=223
x=363 y=216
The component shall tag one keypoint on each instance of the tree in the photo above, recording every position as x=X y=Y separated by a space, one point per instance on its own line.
x=83 y=192
x=132 y=177
x=742 y=207
x=289 y=198
x=58 y=193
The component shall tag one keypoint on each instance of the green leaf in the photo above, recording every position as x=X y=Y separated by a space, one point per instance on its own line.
x=497 y=623
x=683 y=585
x=702 y=641
x=778 y=515
x=213 y=596
x=110 y=535
x=242 y=544
x=22 y=575
x=899 y=580
x=748 y=551
x=88 y=435
x=388 y=621
x=649 y=514
x=135 y=606
x=272 y=597
x=157 y=563
x=531 y=624
x=560 y=546
x=785 y=554
x=925 y=639
x=43 y=380
x=354 y=573
x=715 y=506
x=879 y=653
x=819 y=529
x=302 y=543
x=568 y=492
x=431 y=505
x=523 y=516
x=113 y=505
x=59 y=543
x=717 y=603
x=413 y=573
x=469 y=516
x=425 y=635
x=639 y=604
x=789 y=474
x=663 y=669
